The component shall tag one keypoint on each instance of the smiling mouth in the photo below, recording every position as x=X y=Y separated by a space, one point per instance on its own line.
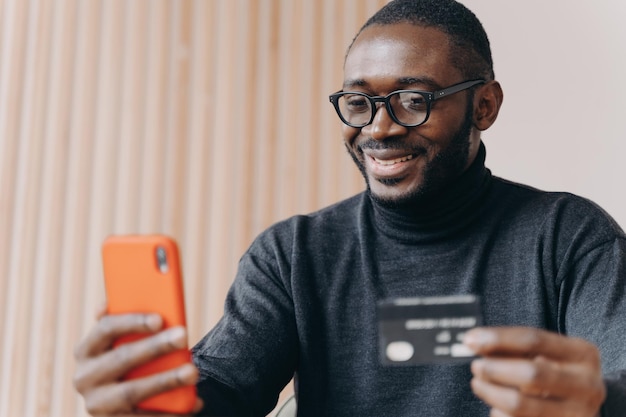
x=389 y=162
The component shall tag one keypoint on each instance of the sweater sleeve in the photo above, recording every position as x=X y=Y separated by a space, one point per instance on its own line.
x=251 y=354
x=615 y=403
x=596 y=311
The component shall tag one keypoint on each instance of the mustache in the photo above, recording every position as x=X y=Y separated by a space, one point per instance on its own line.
x=391 y=143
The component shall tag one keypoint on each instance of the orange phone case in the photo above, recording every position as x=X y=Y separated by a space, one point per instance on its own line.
x=138 y=280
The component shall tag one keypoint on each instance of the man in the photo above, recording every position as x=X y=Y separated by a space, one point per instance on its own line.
x=550 y=268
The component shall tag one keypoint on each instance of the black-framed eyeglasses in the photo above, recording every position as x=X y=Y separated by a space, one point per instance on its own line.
x=408 y=108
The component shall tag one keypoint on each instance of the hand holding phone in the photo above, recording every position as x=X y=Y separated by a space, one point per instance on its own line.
x=143 y=275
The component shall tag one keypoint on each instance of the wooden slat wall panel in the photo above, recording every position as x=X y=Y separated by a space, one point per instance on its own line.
x=205 y=120
x=74 y=297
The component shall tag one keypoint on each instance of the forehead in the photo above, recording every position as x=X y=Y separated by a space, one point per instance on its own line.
x=385 y=54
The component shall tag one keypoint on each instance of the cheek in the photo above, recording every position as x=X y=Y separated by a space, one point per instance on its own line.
x=444 y=119
x=350 y=135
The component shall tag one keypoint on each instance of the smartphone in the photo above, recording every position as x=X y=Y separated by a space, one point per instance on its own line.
x=142 y=274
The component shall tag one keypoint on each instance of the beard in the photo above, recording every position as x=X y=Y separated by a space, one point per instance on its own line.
x=446 y=166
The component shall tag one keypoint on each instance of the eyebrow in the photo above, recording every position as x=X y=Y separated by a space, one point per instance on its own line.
x=401 y=82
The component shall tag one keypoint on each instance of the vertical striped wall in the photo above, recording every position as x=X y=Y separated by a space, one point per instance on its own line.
x=206 y=120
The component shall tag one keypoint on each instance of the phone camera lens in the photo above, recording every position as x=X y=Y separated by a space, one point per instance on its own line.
x=161 y=257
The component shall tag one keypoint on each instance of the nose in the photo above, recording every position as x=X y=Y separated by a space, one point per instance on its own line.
x=383 y=126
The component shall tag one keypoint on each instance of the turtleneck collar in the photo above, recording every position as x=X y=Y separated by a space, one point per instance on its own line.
x=441 y=214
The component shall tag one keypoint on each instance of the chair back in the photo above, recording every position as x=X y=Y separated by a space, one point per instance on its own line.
x=289 y=408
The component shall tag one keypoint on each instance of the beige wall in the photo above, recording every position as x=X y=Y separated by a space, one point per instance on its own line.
x=208 y=121
x=563 y=123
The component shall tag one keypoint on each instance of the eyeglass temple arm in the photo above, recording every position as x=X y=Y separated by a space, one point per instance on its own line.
x=456 y=88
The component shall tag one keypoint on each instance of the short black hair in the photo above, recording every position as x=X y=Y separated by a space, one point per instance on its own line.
x=469 y=45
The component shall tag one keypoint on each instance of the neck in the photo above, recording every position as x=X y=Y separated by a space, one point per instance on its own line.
x=441 y=212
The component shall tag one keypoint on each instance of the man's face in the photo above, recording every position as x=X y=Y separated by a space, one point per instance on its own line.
x=401 y=164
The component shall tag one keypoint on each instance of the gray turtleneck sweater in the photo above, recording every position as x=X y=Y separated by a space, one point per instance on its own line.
x=304 y=299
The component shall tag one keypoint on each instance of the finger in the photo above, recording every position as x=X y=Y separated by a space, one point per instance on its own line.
x=114 y=364
x=111 y=327
x=101 y=310
x=497 y=413
x=511 y=402
x=199 y=405
x=536 y=377
x=529 y=342
x=124 y=397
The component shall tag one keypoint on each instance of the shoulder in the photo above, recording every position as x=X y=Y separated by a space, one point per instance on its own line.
x=555 y=213
x=340 y=214
x=329 y=223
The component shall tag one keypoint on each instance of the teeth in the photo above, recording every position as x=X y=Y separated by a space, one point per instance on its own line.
x=393 y=161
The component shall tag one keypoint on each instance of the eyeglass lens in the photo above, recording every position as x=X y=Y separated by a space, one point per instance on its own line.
x=409 y=107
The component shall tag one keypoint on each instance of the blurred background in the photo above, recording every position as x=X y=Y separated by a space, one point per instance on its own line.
x=208 y=120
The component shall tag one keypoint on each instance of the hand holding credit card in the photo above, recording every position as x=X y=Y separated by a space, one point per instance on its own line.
x=426 y=330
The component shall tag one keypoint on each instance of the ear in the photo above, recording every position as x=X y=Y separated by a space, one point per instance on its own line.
x=487 y=102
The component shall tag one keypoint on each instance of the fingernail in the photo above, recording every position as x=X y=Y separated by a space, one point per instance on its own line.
x=153 y=322
x=478 y=337
x=477 y=366
x=178 y=337
x=188 y=374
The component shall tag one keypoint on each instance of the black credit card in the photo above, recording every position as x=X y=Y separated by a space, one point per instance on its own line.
x=426 y=330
